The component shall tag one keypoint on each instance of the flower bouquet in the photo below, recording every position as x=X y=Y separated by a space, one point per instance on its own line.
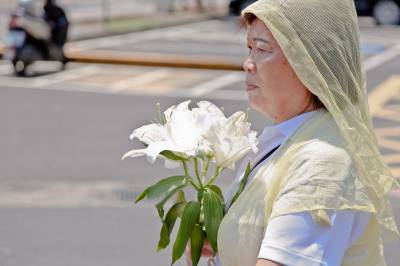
x=194 y=139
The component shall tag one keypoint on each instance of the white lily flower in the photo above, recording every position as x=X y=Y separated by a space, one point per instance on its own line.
x=182 y=132
x=149 y=134
x=231 y=139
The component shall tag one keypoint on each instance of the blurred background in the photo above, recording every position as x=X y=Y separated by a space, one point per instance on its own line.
x=77 y=77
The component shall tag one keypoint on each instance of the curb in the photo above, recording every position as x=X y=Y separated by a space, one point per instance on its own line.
x=153 y=59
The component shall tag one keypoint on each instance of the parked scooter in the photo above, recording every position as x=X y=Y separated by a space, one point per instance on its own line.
x=29 y=39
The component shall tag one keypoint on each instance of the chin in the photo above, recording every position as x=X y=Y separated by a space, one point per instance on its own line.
x=261 y=109
x=255 y=106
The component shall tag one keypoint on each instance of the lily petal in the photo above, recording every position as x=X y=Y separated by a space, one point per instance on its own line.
x=149 y=133
x=134 y=153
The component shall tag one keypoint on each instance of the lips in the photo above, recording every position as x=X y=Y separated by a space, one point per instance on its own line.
x=250 y=86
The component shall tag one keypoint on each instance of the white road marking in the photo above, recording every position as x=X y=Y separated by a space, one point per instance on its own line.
x=42 y=82
x=71 y=195
x=6 y=69
x=383 y=93
x=215 y=84
x=139 y=80
x=63 y=76
x=381 y=58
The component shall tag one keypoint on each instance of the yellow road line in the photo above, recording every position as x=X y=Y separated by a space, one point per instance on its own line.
x=389 y=144
x=385 y=111
x=395 y=171
x=388 y=115
x=391 y=158
x=383 y=93
x=388 y=131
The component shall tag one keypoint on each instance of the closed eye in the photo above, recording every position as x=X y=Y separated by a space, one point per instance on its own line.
x=249 y=49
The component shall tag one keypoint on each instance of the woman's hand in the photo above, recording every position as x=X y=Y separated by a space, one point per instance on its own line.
x=207 y=251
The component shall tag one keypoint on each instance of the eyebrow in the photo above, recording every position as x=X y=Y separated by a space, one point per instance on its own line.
x=261 y=40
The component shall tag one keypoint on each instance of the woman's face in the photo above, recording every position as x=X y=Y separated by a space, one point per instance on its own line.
x=272 y=86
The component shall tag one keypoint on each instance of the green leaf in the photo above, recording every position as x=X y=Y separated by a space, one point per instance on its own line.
x=196 y=244
x=180 y=197
x=189 y=219
x=174 y=212
x=172 y=156
x=248 y=171
x=162 y=188
x=213 y=209
x=217 y=190
x=160 y=205
x=242 y=183
x=200 y=195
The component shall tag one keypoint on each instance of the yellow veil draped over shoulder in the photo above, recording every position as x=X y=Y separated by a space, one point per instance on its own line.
x=333 y=161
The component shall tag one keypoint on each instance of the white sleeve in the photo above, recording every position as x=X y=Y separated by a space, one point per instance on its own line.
x=297 y=240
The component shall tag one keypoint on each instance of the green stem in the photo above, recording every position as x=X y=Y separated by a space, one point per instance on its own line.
x=160 y=114
x=185 y=168
x=194 y=184
x=196 y=169
x=218 y=170
x=206 y=168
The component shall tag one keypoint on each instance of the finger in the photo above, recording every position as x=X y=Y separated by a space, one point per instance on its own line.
x=207 y=253
x=188 y=259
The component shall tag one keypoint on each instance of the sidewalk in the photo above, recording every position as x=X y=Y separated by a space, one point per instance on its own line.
x=95 y=29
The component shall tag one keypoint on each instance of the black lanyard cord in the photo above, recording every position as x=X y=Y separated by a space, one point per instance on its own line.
x=244 y=180
x=265 y=157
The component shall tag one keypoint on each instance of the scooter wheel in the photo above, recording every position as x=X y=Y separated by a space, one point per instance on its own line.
x=20 y=68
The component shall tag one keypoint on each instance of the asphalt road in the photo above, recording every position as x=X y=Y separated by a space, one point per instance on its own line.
x=65 y=195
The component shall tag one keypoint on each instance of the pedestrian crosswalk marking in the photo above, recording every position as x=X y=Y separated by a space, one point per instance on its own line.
x=6 y=69
x=140 y=80
x=67 y=75
x=215 y=84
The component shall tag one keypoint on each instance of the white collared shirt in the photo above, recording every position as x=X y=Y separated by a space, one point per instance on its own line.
x=296 y=239
x=271 y=137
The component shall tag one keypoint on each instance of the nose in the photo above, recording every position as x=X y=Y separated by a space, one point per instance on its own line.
x=249 y=65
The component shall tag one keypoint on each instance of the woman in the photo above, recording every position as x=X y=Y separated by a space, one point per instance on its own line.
x=317 y=193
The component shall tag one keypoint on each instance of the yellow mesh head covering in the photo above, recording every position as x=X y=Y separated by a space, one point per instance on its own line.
x=320 y=39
